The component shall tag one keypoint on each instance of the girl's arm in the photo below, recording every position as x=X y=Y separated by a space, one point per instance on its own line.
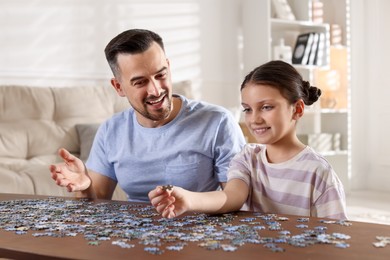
x=175 y=202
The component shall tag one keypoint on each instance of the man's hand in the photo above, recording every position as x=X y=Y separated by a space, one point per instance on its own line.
x=71 y=174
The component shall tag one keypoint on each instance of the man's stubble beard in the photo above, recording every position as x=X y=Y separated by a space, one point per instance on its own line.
x=163 y=113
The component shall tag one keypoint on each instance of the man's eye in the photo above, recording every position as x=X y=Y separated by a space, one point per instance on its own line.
x=139 y=83
x=162 y=76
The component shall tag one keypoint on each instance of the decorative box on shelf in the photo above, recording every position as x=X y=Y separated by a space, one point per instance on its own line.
x=322 y=142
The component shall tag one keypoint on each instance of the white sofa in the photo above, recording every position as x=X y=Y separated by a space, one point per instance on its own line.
x=36 y=121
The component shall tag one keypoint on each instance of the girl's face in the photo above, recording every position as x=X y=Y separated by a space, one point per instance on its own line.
x=268 y=115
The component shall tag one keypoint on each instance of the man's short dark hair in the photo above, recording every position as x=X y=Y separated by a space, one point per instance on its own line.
x=132 y=41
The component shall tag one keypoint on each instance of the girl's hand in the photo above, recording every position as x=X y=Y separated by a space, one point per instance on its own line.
x=171 y=202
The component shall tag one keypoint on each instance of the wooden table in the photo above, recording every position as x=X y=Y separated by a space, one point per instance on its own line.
x=27 y=246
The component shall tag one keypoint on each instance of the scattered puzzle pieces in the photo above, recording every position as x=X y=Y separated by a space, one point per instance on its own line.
x=120 y=223
x=383 y=241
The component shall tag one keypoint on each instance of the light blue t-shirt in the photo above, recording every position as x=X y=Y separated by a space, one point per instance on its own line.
x=192 y=151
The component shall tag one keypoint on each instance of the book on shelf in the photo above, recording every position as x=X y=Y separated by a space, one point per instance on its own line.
x=302 y=48
x=309 y=49
x=313 y=49
x=318 y=60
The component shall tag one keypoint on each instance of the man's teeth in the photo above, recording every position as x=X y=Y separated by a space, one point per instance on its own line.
x=156 y=101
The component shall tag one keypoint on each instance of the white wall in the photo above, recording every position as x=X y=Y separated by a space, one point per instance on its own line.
x=370 y=94
x=220 y=28
x=378 y=90
x=377 y=85
x=358 y=82
x=61 y=42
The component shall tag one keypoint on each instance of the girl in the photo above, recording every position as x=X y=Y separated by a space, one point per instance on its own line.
x=280 y=174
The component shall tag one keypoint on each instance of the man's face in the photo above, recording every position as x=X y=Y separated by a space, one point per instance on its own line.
x=145 y=80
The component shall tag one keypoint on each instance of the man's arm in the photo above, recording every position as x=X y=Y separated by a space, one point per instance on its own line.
x=102 y=187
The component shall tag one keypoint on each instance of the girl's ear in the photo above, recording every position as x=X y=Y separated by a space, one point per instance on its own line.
x=299 y=108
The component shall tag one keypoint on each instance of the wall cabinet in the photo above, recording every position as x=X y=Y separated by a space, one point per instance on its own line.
x=326 y=124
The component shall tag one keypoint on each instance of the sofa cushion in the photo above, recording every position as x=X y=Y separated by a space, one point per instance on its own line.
x=15 y=182
x=86 y=133
x=36 y=179
x=16 y=164
x=29 y=138
x=36 y=121
x=42 y=182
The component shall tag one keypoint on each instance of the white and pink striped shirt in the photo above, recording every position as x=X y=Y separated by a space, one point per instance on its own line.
x=305 y=185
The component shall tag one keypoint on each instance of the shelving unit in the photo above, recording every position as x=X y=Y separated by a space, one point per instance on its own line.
x=262 y=30
x=289 y=31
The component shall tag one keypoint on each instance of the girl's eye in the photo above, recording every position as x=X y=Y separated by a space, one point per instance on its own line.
x=267 y=107
x=246 y=110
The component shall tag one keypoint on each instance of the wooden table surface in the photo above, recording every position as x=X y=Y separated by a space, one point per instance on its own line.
x=362 y=236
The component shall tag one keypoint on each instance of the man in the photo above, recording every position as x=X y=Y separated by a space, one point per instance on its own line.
x=162 y=139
